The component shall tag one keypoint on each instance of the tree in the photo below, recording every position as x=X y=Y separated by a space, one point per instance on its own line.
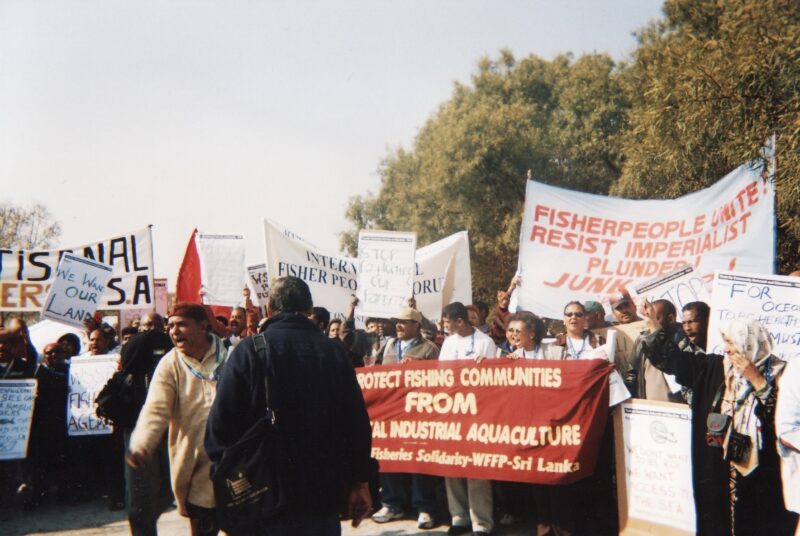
x=563 y=119
x=30 y=227
x=710 y=84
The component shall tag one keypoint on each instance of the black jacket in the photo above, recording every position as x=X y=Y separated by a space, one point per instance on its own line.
x=318 y=404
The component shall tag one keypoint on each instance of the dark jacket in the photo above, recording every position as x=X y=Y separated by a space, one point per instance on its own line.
x=759 y=508
x=140 y=355
x=318 y=404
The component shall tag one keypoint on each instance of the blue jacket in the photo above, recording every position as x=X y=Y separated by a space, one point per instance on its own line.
x=318 y=404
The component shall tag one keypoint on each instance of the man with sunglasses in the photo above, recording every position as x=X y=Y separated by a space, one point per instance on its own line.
x=469 y=500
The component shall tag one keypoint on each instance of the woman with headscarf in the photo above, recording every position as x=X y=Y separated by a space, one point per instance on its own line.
x=736 y=475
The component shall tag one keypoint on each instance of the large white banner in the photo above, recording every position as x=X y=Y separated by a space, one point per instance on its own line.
x=87 y=376
x=385 y=272
x=16 y=413
x=74 y=295
x=221 y=268
x=773 y=300
x=577 y=246
x=442 y=271
x=654 y=468
x=26 y=275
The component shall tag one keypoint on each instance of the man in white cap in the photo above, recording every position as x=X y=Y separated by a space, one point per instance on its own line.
x=408 y=345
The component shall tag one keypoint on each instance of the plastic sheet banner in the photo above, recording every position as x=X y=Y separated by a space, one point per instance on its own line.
x=16 y=413
x=577 y=246
x=773 y=300
x=87 y=376
x=26 y=275
x=442 y=272
x=221 y=268
x=525 y=421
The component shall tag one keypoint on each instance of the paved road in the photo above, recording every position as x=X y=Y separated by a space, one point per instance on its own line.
x=93 y=519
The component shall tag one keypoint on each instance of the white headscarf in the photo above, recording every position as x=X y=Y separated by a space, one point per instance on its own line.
x=752 y=340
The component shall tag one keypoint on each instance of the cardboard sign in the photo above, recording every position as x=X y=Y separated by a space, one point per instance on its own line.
x=16 y=413
x=773 y=300
x=26 y=275
x=259 y=284
x=524 y=420
x=385 y=272
x=680 y=287
x=87 y=376
x=654 y=468
x=578 y=246
x=76 y=292
x=221 y=262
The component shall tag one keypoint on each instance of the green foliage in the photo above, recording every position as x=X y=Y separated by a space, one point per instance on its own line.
x=563 y=119
x=709 y=85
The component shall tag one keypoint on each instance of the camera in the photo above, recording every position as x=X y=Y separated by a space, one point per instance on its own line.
x=738 y=447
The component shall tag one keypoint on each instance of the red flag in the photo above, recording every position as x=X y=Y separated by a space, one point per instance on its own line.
x=187 y=289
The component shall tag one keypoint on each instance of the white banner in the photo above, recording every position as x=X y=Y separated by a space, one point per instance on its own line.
x=16 y=413
x=680 y=286
x=385 y=272
x=442 y=272
x=259 y=284
x=221 y=268
x=75 y=293
x=26 y=275
x=654 y=468
x=773 y=300
x=577 y=246
x=87 y=376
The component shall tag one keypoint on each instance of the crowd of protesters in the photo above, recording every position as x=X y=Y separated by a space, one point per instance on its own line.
x=178 y=361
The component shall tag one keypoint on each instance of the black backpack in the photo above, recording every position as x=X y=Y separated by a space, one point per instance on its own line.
x=250 y=481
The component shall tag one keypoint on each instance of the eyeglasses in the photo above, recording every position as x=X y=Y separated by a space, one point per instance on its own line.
x=576 y=314
x=513 y=330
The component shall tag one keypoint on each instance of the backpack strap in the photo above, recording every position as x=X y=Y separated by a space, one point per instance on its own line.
x=262 y=348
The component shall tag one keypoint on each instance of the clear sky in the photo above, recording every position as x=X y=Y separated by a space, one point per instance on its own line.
x=215 y=114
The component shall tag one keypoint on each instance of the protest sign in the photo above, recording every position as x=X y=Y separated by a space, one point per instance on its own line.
x=773 y=300
x=654 y=468
x=26 y=275
x=577 y=246
x=681 y=286
x=75 y=293
x=524 y=421
x=87 y=376
x=385 y=272
x=625 y=338
x=160 y=304
x=333 y=279
x=221 y=268
x=16 y=413
x=258 y=283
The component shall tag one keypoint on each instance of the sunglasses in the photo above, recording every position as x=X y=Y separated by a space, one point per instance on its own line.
x=576 y=314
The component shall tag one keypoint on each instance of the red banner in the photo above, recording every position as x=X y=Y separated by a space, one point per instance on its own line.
x=525 y=421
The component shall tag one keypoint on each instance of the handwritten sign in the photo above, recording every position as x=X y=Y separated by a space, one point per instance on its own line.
x=259 y=283
x=654 y=468
x=26 y=275
x=77 y=289
x=386 y=271
x=16 y=413
x=680 y=287
x=773 y=300
x=87 y=376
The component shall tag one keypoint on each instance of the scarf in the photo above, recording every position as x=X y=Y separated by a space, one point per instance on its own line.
x=739 y=399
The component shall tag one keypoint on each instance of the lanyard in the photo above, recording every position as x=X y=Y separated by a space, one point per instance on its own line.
x=471 y=350
x=400 y=347
x=217 y=361
x=575 y=354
